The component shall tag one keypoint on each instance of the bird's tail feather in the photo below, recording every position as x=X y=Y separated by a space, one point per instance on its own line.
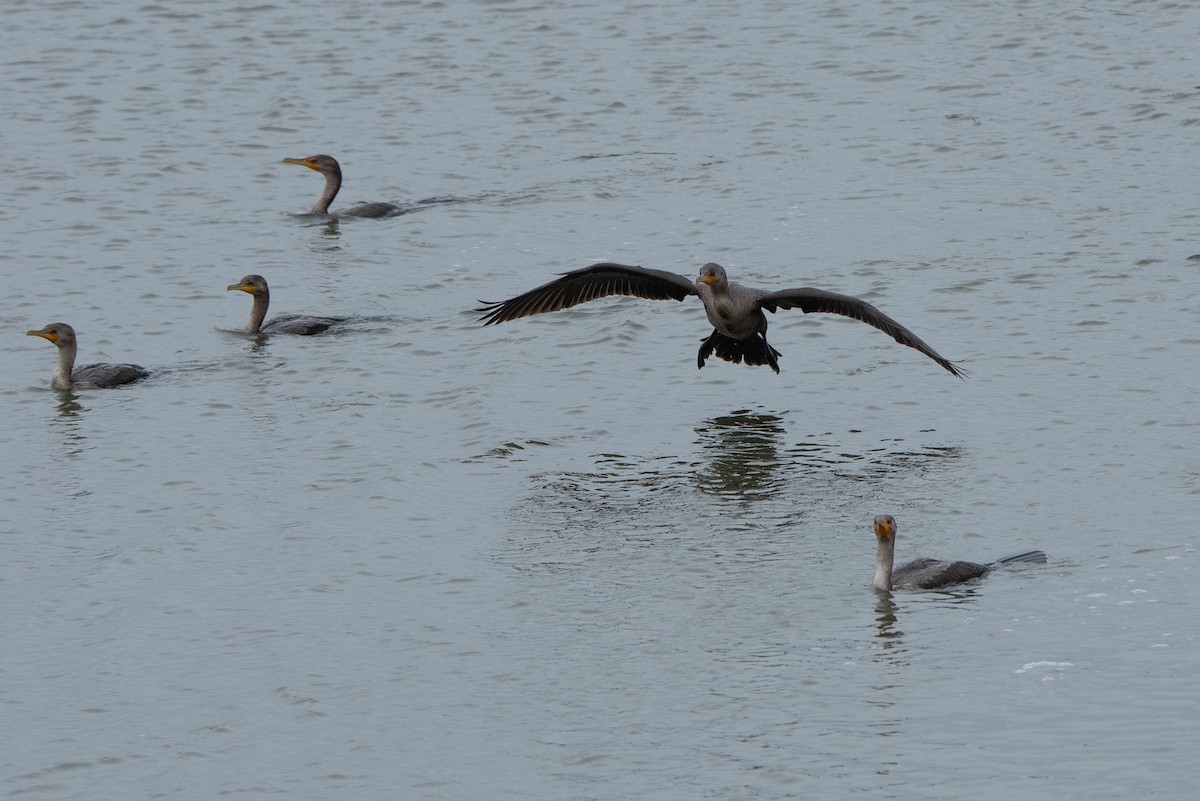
x=752 y=351
x=1025 y=557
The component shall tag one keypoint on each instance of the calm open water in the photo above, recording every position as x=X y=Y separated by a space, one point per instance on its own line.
x=419 y=558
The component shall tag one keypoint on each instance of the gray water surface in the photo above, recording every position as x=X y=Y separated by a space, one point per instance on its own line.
x=420 y=558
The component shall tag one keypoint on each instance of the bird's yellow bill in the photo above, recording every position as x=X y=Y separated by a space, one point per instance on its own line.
x=44 y=334
x=303 y=163
x=243 y=287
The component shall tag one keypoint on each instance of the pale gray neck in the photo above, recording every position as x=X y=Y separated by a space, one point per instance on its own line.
x=258 y=312
x=333 y=182
x=883 y=563
x=713 y=293
x=66 y=363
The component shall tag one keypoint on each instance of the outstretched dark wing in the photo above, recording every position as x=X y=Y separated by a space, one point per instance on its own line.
x=579 y=286
x=818 y=300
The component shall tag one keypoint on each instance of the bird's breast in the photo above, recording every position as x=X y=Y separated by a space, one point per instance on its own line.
x=732 y=320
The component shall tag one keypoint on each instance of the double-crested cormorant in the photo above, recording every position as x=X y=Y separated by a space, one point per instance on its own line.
x=329 y=167
x=735 y=311
x=90 y=376
x=303 y=325
x=929 y=574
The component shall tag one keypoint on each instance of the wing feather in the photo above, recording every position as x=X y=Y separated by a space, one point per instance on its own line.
x=589 y=283
x=811 y=300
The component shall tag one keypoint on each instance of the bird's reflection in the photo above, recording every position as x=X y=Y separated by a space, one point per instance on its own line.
x=258 y=344
x=66 y=423
x=743 y=454
x=891 y=638
x=885 y=611
x=891 y=646
x=331 y=230
x=69 y=406
x=952 y=596
x=738 y=460
x=748 y=459
x=327 y=229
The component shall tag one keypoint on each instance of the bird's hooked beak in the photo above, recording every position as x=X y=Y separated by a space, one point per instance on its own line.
x=885 y=526
x=707 y=278
x=44 y=334
x=303 y=163
x=243 y=287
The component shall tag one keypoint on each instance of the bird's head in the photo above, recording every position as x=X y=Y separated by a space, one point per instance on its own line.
x=321 y=163
x=253 y=284
x=58 y=333
x=885 y=526
x=711 y=274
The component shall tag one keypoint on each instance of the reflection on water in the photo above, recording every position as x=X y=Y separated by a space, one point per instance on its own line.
x=743 y=452
x=873 y=460
x=947 y=596
x=748 y=459
x=258 y=344
x=885 y=612
x=742 y=462
x=333 y=232
x=740 y=457
x=891 y=647
x=67 y=423
x=952 y=596
x=68 y=404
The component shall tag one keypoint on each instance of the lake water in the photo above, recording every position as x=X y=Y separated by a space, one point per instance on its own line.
x=420 y=558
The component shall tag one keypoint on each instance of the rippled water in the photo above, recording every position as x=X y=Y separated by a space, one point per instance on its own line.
x=421 y=558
